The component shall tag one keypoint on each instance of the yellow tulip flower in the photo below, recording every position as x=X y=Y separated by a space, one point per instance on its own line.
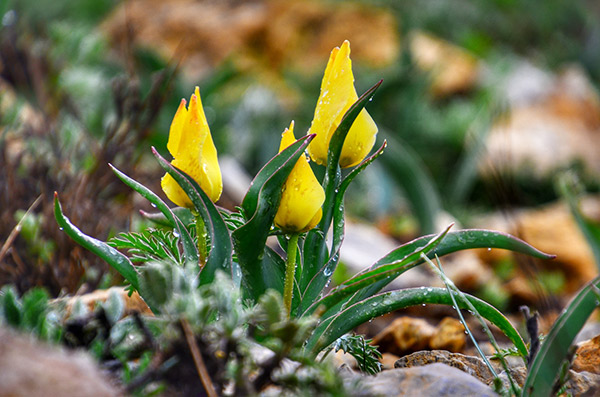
x=302 y=196
x=336 y=97
x=194 y=152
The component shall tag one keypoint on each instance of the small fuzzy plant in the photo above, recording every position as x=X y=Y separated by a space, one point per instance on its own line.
x=285 y=200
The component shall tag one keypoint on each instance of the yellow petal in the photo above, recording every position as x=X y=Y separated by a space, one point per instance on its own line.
x=302 y=197
x=194 y=152
x=176 y=129
x=336 y=96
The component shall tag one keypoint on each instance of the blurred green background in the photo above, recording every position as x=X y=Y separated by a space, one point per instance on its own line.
x=91 y=82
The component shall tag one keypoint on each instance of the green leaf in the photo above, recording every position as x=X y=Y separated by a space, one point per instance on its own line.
x=11 y=306
x=158 y=218
x=323 y=276
x=546 y=365
x=452 y=242
x=219 y=256
x=151 y=244
x=409 y=172
x=35 y=304
x=366 y=355
x=386 y=273
x=117 y=260
x=568 y=186
x=337 y=325
x=189 y=247
x=260 y=205
x=315 y=247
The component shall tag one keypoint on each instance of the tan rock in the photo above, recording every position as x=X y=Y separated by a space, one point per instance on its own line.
x=404 y=335
x=449 y=335
x=452 y=68
x=551 y=229
x=473 y=366
x=587 y=356
x=388 y=360
x=549 y=128
x=258 y=35
x=133 y=303
x=30 y=368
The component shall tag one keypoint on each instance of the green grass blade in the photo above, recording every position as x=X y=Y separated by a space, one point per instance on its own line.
x=221 y=249
x=335 y=326
x=117 y=260
x=547 y=362
x=409 y=172
x=260 y=205
x=190 y=251
x=315 y=247
x=567 y=184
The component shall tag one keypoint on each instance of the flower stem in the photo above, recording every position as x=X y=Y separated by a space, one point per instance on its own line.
x=201 y=234
x=290 y=270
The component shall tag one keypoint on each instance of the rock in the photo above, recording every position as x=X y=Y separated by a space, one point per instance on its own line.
x=473 y=366
x=582 y=383
x=587 y=356
x=453 y=69
x=449 y=335
x=30 y=368
x=431 y=380
x=577 y=383
x=551 y=229
x=404 y=335
x=388 y=360
x=260 y=36
x=553 y=122
x=133 y=303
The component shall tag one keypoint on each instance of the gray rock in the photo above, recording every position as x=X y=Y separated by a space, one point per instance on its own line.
x=31 y=368
x=430 y=380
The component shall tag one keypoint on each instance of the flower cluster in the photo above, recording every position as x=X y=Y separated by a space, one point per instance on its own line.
x=194 y=152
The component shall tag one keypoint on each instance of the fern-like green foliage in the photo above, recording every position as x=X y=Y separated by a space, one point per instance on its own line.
x=366 y=355
x=151 y=244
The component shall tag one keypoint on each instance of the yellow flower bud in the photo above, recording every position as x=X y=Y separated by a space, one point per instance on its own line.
x=194 y=152
x=302 y=196
x=336 y=97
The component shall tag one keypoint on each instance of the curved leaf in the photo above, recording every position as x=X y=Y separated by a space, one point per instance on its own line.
x=315 y=247
x=384 y=273
x=452 y=242
x=219 y=256
x=335 y=326
x=117 y=260
x=323 y=276
x=546 y=365
x=189 y=247
x=260 y=204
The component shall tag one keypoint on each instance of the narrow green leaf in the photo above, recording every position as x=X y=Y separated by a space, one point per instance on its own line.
x=219 y=256
x=257 y=188
x=189 y=247
x=568 y=187
x=260 y=205
x=546 y=365
x=335 y=326
x=386 y=273
x=113 y=257
x=409 y=172
x=452 y=242
x=323 y=276
x=315 y=247
x=11 y=306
